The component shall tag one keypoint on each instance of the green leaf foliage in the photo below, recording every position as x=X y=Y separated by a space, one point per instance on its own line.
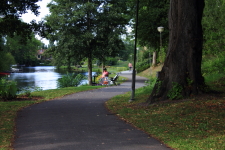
x=70 y=80
x=11 y=23
x=86 y=29
x=213 y=26
x=23 y=53
x=8 y=89
x=152 y=14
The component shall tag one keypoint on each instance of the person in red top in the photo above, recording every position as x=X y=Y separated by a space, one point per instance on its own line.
x=105 y=73
x=104 y=79
x=130 y=66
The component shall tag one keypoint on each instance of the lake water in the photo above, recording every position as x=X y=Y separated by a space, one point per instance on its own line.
x=44 y=77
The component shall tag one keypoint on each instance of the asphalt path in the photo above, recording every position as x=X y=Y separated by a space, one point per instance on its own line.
x=81 y=122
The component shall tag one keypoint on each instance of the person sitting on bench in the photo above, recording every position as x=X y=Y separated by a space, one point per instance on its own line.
x=104 y=79
x=105 y=73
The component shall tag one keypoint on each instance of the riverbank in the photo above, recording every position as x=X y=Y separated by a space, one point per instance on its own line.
x=45 y=77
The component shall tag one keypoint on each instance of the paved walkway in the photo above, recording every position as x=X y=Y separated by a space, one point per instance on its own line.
x=81 y=122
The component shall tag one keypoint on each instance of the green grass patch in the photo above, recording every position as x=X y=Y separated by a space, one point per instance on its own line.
x=196 y=124
x=8 y=111
x=57 y=93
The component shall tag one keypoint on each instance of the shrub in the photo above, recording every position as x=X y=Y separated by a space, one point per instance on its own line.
x=8 y=89
x=141 y=66
x=111 y=61
x=215 y=65
x=70 y=80
x=27 y=91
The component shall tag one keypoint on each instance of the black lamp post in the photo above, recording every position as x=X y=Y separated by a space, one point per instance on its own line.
x=135 y=53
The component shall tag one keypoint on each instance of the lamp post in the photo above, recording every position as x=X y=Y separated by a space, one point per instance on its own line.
x=160 y=29
x=135 y=53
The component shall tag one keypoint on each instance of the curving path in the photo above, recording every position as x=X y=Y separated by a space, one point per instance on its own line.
x=81 y=122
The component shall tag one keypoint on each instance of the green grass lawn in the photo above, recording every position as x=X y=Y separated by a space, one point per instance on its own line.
x=192 y=124
x=197 y=123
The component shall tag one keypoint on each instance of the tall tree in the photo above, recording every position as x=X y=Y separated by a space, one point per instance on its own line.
x=87 y=29
x=24 y=54
x=10 y=23
x=10 y=13
x=6 y=58
x=181 y=74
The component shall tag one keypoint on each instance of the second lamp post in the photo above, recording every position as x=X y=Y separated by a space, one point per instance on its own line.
x=160 y=29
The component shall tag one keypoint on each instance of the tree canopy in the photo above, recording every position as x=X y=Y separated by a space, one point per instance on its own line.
x=11 y=25
x=10 y=13
x=87 y=29
x=24 y=54
x=6 y=58
x=152 y=14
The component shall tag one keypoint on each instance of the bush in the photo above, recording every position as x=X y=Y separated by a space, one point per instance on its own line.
x=6 y=61
x=8 y=89
x=70 y=80
x=27 y=91
x=111 y=61
x=162 y=55
x=215 y=65
x=141 y=66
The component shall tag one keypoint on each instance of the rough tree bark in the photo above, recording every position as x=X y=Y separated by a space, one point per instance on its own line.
x=181 y=74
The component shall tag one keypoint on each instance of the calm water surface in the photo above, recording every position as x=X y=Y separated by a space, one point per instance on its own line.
x=42 y=76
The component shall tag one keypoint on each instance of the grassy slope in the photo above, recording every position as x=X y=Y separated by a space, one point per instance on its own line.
x=190 y=124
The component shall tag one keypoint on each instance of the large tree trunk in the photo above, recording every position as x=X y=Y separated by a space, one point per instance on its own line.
x=181 y=74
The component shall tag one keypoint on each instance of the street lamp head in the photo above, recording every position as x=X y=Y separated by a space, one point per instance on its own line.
x=160 y=29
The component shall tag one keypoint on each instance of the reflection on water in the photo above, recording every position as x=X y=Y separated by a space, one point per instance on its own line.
x=41 y=76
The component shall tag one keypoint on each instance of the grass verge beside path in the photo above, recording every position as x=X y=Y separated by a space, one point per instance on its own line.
x=8 y=110
x=188 y=125
x=197 y=123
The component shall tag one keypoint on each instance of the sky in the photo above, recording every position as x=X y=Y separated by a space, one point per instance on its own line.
x=43 y=12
